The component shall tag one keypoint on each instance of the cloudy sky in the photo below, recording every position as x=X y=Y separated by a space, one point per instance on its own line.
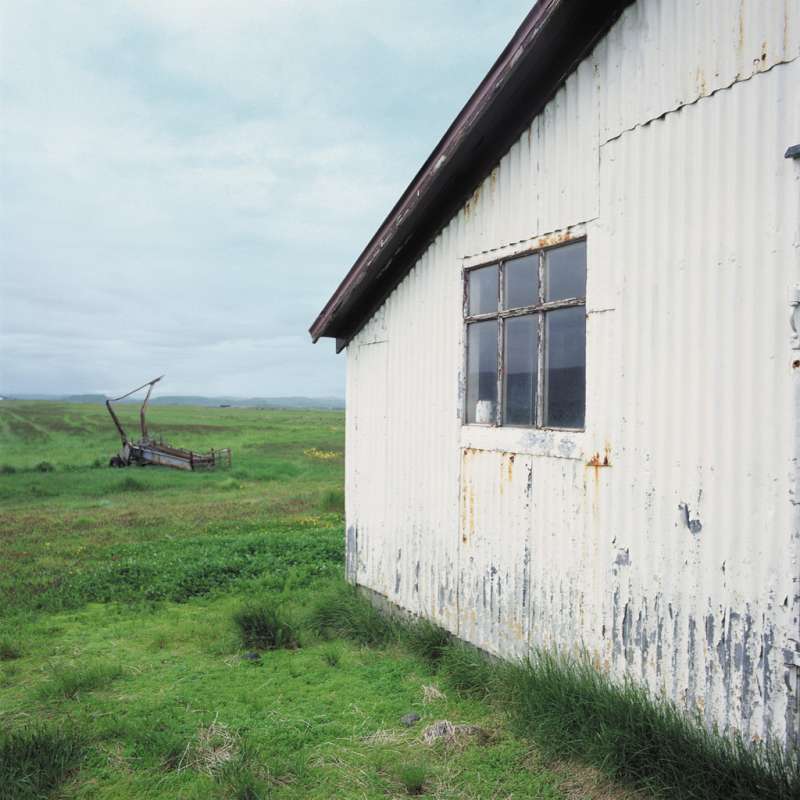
x=184 y=182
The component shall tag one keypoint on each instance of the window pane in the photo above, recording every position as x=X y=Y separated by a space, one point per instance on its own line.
x=521 y=359
x=482 y=372
x=483 y=290
x=565 y=367
x=522 y=282
x=566 y=271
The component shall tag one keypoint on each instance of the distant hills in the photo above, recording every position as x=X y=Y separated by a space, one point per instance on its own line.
x=332 y=403
x=308 y=403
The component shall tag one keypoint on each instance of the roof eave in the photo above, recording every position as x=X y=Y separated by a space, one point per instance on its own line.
x=554 y=37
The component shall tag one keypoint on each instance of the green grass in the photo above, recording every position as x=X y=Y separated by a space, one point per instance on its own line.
x=414 y=777
x=35 y=760
x=343 y=612
x=128 y=484
x=265 y=626
x=467 y=671
x=71 y=682
x=426 y=640
x=9 y=650
x=177 y=570
x=131 y=600
x=332 y=655
x=572 y=711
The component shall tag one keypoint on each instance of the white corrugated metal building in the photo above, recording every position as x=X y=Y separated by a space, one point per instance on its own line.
x=572 y=382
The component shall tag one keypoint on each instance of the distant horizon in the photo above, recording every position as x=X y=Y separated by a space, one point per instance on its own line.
x=332 y=402
x=25 y=394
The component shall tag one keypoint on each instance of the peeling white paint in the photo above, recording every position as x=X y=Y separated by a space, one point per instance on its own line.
x=665 y=538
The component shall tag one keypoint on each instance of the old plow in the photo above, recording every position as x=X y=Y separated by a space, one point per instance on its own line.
x=149 y=451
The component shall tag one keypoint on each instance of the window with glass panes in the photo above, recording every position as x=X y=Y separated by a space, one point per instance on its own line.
x=526 y=339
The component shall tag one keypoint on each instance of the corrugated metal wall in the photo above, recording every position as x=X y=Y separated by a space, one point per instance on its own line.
x=680 y=562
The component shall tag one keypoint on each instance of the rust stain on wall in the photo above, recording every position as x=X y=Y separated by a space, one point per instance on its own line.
x=551 y=239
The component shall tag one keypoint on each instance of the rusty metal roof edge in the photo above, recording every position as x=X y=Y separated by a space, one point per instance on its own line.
x=543 y=29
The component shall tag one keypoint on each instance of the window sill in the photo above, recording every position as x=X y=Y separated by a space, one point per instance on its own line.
x=545 y=442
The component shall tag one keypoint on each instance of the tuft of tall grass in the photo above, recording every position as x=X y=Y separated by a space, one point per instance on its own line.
x=67 y=683
x=264 y=626
x=242 y=778
x=35 y=761
x=246 y=786
x=574 y=711
x=467 y=670
x=8 y=650
x=333 y=500
x=128 y=484
x=278 y=471
x=413 y=777
x=332 y=655
x=43 y=491
x=344 y=612
x=426 y=640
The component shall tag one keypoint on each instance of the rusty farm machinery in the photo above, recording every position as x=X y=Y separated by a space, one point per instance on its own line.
x=148 y=451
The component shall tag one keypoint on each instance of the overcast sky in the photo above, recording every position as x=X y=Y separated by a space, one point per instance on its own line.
x=184 y=182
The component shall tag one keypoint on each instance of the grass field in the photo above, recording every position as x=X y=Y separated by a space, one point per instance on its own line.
x=190 y=635
x=137 y=606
